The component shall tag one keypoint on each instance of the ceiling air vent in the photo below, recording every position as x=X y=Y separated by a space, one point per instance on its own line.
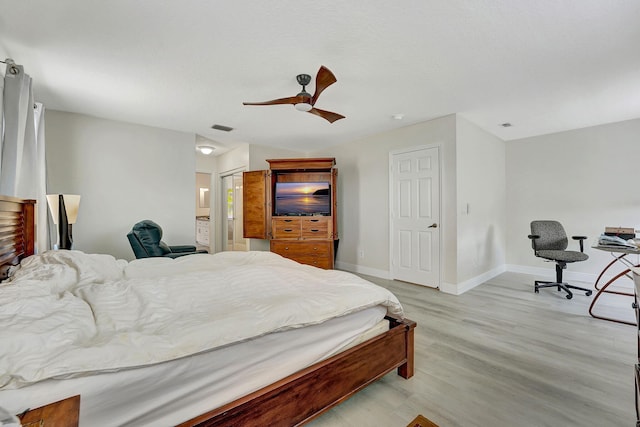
x=222 y=128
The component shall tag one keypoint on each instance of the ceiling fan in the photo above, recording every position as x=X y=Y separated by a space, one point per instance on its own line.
x=304 y=101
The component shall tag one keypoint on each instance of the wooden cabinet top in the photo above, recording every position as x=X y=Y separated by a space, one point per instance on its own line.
x=302 y=164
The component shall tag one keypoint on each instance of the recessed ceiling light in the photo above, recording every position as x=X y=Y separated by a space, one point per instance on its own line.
x=397 y=116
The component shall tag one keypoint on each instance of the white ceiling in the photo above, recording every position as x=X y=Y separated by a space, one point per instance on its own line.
x=542 y=65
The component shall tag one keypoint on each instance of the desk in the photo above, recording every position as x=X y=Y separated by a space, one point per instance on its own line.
x=619 y=254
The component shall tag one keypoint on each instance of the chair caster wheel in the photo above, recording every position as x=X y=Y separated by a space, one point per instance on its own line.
x=537 y=291
x=569 y=296
x=589 y=293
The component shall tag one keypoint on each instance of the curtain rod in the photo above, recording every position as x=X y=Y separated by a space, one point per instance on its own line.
x=13 y=69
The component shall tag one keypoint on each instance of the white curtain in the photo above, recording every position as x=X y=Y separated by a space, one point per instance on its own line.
x=22 y=148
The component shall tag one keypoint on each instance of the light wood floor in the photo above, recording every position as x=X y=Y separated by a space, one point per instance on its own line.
x=501 y=355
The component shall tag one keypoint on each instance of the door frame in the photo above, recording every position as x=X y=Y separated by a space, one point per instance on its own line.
x=406 y=150
x=222 y=212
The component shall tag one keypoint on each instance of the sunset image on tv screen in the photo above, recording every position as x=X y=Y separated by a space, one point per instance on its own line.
x=302 y=198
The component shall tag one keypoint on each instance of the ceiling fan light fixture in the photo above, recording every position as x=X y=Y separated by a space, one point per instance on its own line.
x=303 y=106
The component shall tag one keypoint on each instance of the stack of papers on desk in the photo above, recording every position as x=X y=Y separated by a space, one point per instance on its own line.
x=616 y=242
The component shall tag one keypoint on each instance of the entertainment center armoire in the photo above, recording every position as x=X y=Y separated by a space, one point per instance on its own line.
x=308 y=235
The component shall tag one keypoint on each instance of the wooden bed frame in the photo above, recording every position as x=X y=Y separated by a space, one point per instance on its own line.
x=17 y=231
x=293 y=400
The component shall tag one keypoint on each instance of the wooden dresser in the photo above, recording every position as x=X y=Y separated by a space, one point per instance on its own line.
x=305 y=238
x=308 y=240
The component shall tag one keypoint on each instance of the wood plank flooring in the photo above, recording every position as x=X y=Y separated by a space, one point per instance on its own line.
x=501 y=355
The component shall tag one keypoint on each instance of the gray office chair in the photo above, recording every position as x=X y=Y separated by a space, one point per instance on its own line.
x=549 y=241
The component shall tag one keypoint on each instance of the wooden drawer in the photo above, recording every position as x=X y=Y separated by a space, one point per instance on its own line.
x=316 y=227
x=286 y=227
x=316 y=253
x=320 y=262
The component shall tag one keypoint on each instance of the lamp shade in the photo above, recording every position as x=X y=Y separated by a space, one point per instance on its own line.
x=71 y=204
x=64 y=212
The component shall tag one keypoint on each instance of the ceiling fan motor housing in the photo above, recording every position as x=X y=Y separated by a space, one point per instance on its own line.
x=303 y=79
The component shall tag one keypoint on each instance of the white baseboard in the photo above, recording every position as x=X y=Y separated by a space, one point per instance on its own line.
x=354 y=268
x=462 y=287
x=550 y=273
x=449 y=288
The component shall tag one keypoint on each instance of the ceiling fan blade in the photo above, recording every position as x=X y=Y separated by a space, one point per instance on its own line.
x=290 y=100
x=324 y=79
x=327 y=115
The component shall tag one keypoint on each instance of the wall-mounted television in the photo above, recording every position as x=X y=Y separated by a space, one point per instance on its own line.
x=302 y=198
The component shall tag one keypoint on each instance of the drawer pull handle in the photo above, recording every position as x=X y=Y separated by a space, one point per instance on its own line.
x=314 y=230
x=286 y=248
x=314 y=220
x=288 y=220
x=288 y=230
x=315 y=249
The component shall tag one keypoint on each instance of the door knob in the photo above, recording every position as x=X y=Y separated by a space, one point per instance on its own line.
x=434 y=225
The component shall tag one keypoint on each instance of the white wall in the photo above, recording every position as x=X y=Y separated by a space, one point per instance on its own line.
x=363 y=194
x=125 y=173
x=586 y=178
x=481 y=193
x=260 y=153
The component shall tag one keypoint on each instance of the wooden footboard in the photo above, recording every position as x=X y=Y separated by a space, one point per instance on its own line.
x=306 y=394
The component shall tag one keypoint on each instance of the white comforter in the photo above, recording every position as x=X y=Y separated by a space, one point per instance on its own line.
x=67 y=313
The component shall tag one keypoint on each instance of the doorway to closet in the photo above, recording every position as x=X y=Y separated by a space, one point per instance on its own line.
x=231 y=193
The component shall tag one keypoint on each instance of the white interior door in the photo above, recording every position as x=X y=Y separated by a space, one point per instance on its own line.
x=415 y=216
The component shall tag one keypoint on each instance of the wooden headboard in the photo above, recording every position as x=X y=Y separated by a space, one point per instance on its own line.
x=17 y=231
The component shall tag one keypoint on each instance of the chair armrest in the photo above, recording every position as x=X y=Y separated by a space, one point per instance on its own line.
x=533 y=236
x=582 y=239
x=176 y=254
x=179 y=254
x=182 y=248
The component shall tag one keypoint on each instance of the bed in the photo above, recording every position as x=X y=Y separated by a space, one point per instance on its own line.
x=274 y=373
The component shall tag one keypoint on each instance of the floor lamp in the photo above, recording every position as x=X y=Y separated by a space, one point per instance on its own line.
x=64 y=211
